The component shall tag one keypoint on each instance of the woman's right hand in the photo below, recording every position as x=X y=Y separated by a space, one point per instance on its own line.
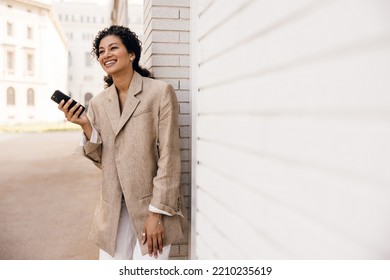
x=72 y=114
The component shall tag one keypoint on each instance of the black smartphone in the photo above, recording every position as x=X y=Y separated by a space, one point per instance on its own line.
x=58 y=96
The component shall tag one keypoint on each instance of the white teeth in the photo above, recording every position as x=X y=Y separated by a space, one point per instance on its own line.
x=109 y=63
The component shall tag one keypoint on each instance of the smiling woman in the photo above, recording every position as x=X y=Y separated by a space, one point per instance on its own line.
x=113 y=56
x=131 y=132
x=114 y=38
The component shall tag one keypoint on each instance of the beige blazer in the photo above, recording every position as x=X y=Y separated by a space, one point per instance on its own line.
x=139 y=154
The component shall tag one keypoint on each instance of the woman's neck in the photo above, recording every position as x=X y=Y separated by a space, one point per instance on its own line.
x=122 y=82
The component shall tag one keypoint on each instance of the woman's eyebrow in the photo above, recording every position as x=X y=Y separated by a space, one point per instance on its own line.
x=108 y=45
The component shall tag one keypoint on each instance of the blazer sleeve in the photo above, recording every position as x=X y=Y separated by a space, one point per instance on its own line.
x=93 y=150
x=166 y=191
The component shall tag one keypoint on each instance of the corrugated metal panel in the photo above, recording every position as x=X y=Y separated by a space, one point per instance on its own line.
x=292 y=129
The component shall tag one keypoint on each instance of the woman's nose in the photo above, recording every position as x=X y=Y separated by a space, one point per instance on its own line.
x=104 y=54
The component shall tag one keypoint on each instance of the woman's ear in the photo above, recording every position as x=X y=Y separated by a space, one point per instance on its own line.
x=132 y=57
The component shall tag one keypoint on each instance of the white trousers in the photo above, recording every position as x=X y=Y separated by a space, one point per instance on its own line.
x=127 y=246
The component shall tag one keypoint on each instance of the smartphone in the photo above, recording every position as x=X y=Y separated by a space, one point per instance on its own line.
x=58 y=96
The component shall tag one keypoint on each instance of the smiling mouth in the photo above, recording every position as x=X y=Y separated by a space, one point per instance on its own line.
x=109 y=63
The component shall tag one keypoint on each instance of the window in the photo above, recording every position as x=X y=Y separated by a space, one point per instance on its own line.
x=10 y=61
x=69 y=59
x=88 y=36
x=10 y=29
x=30 y=97
x=88 y=61
x=30 y=63
x=29 y=33
x=11 y=96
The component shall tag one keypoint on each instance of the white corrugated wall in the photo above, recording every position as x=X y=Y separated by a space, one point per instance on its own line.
x=291 y=129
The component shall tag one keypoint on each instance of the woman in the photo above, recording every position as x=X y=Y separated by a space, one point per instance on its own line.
x=131 y=133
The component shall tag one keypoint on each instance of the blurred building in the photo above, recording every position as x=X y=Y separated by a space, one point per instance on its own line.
x=33 y=62
x=135 y=16
x=81 y=21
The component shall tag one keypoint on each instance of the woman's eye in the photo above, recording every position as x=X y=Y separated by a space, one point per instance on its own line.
x=100 y=52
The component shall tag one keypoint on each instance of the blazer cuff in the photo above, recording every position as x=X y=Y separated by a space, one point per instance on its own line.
x=166 y=208
x=93 y=151
x=94 y=137
x=158 y=211
x=90 y=147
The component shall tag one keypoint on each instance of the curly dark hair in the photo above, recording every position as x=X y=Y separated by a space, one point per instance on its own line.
x=131 y=42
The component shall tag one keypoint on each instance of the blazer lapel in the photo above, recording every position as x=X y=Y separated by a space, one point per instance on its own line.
x=116 y=119
x=112 y=107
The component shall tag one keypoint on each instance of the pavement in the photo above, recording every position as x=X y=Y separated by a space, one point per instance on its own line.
x=47 y=197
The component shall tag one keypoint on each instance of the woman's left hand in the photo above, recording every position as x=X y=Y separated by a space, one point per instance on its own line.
x=153 y=234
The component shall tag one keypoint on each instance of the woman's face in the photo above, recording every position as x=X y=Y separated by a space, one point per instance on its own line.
x=113 y=56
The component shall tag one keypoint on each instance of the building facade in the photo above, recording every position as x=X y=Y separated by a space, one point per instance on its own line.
x=33 y=62
x=81 y=22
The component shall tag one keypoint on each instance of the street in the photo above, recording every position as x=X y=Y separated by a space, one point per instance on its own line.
x=47 y=197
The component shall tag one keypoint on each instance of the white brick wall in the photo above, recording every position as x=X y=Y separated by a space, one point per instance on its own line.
x=166 y=53
x=291 y=134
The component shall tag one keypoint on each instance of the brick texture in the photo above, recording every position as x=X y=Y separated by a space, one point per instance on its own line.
x=166 y=53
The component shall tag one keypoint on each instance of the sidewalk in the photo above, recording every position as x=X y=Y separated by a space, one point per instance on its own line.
x=47 y=197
